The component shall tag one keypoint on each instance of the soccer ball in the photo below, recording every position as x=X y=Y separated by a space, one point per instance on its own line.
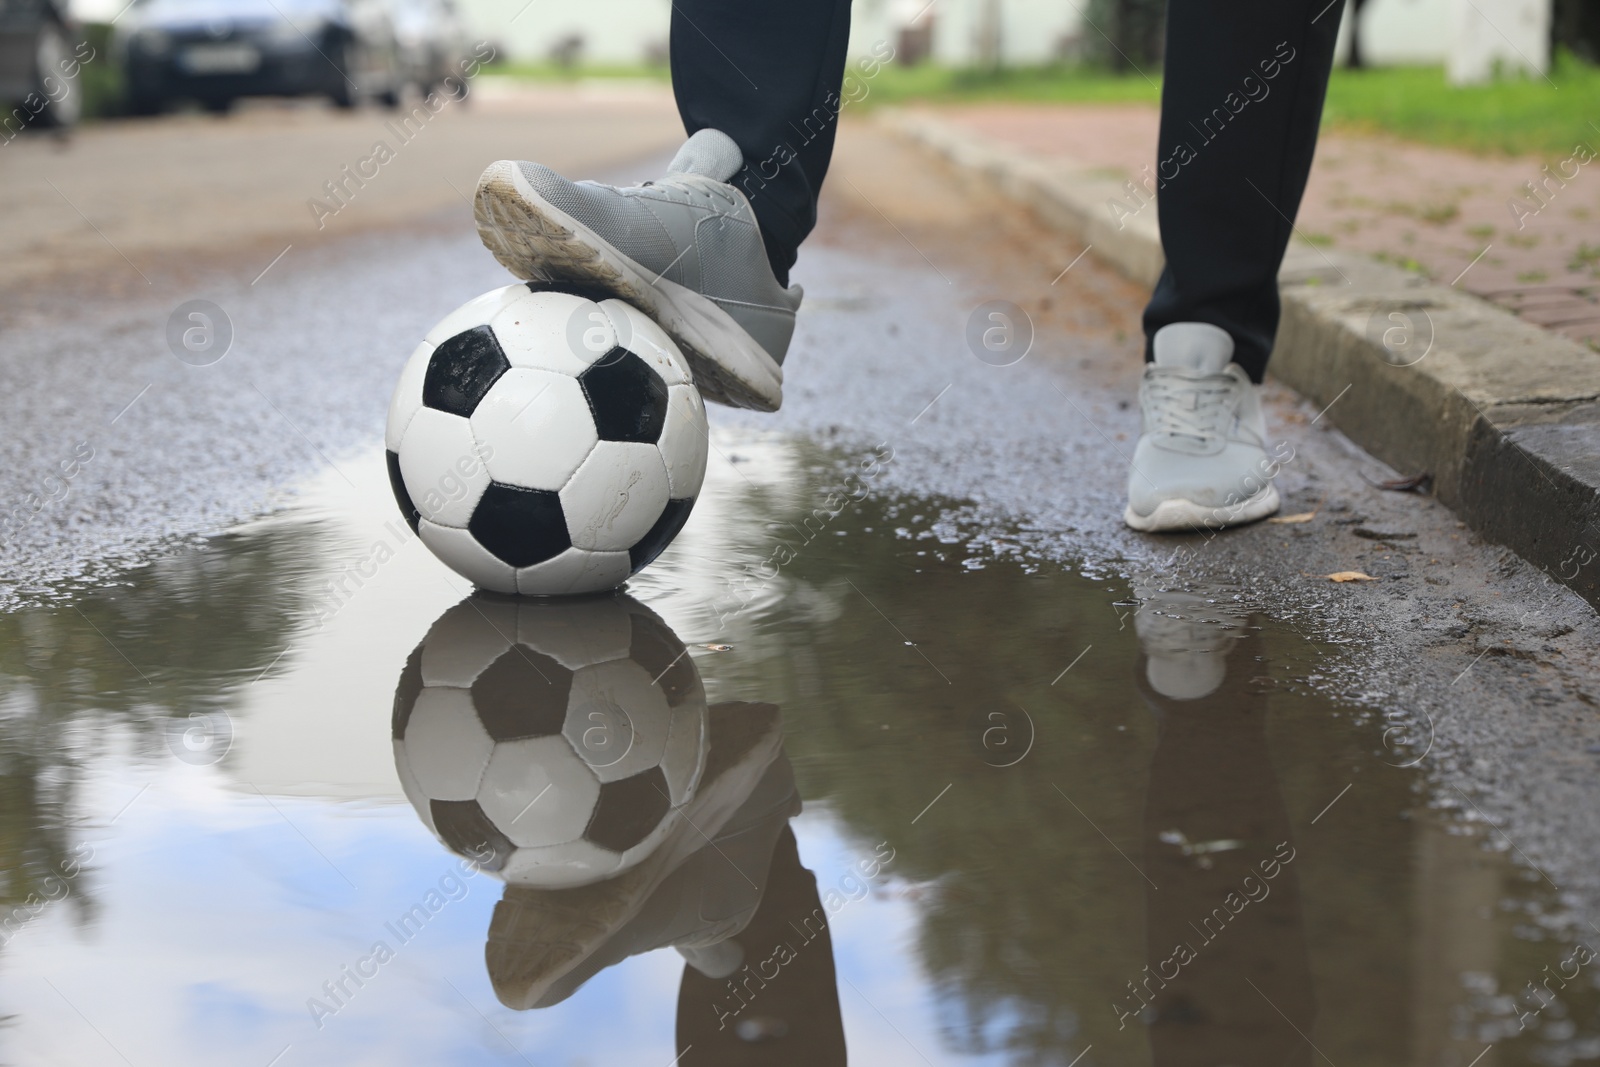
x=542 y=443
x=556 y=742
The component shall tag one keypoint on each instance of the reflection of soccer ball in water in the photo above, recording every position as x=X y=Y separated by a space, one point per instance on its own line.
x=542 y=443
x=564 y=736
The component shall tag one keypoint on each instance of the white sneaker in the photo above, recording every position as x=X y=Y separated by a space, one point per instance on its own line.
x=1202 y=460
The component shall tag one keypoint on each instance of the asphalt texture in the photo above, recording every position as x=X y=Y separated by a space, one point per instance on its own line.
x=1488 y=671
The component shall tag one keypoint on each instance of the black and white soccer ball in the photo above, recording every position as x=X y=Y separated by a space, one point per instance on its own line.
x=554 y=741
x=543 y=443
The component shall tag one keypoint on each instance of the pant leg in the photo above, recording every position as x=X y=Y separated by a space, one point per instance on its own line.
x=799 y=1007
x=1240 y=106
x=766 y=74
x=1211 y=777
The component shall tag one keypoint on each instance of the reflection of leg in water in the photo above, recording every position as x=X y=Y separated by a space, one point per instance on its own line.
x=782 y=1007
x=695 y=892
x=1217 y=843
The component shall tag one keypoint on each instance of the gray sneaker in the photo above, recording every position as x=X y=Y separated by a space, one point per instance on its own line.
x=685 y=249
x=1202 y=460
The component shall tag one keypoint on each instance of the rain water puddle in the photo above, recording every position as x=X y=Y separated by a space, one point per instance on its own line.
x=291 y=799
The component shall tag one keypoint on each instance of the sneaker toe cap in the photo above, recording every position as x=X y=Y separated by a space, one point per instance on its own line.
x=1235 y=474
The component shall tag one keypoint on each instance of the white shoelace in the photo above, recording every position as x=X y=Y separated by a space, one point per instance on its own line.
x=713 y=195
x=1189 y=407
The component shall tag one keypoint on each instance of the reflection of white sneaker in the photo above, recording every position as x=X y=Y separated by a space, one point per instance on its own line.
x=1186 y=641
x=1201 y=461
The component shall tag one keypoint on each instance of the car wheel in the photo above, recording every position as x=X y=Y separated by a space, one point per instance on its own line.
x=344 y=92
x=219 y=105
x=144 y=104
x=63 y=99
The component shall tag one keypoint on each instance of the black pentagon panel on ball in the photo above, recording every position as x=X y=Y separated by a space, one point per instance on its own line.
x=628 y=810
x=627 y=398
x=406 y=694
x=401 y=495
x=520 y=526
x=522 y=694
x=467 y=831
x=659 y=536
x=658 y=650
x=461 y=370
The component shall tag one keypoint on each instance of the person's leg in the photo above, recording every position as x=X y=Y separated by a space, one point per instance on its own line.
x=705 y=249
x=792 y=1018
x=767 y=75
x=1240 y=105
x=1245 y=80
x=1212 y=778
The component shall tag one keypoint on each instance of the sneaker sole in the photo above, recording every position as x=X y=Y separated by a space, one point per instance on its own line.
x=538 y=242
x=1179 y=514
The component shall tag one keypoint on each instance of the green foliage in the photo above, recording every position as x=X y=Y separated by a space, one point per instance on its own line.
x=1062 y=83
x=1514 y=114
x=184 y=634
x=1124 y=35
x=100 y=80
x=549 y=71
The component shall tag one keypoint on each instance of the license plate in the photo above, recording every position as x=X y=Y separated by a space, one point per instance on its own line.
x=220 y=59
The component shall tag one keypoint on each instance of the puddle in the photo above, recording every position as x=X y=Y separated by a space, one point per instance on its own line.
x=292 y=799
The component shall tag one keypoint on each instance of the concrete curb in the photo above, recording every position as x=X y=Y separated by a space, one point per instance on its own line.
x=1504 y=415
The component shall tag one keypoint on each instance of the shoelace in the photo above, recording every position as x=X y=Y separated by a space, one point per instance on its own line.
x=711 y=194
x=1190 y=407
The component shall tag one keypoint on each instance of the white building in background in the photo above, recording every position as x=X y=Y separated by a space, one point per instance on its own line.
x=626 y=32
x=1400 y=32
x=629 y=31
x=1490 y=34
x=1470 y=36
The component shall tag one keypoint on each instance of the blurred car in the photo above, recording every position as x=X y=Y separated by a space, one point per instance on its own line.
x=216 y=51
x=433 y=43
x=36 y=43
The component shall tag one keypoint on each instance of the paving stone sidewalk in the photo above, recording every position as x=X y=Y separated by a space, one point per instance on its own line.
x=1446 y=214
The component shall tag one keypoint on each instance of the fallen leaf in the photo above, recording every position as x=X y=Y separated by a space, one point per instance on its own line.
x=1350 y=576
x=1299 y=517
x=1422 y=483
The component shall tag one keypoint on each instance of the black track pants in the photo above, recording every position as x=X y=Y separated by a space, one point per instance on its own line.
x=1242 y=98
x=1240 y=106
x=768 y=75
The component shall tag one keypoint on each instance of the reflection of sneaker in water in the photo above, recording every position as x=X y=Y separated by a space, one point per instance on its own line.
x=1202 y=458
x=685 y=248
x=696 y=892
x=1186 y=642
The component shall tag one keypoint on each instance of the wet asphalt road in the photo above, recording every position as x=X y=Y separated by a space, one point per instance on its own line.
x=1487 y=675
